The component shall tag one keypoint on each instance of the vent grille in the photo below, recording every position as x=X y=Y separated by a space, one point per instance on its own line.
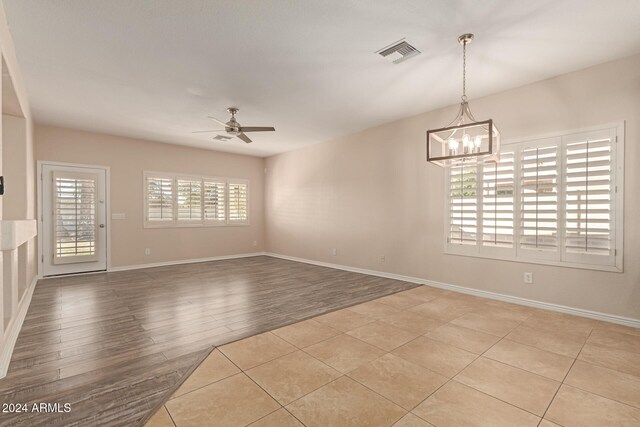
x=222 y=138
x=398 y=51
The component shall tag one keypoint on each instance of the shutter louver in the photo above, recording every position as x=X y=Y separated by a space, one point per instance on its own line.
x=588 y=197
x=539 y=173
x=463 y=205
x=498 y=189
x=159 y=199
x=189 y=200
x=215 y=201
x=238 y=202
x=75 y=217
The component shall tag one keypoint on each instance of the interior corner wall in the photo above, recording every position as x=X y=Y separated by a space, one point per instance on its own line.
x=15 y=164
x=372 y=194
x=127 y=158
x=23 y=205
x=17 y=169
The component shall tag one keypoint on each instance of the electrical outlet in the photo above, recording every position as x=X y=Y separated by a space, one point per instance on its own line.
x=528 y=278
x=255 y=243
x=382 y=258
x=334 y=252
x=147 y=251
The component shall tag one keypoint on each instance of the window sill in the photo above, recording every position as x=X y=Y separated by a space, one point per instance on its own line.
x=161 y=226
x=521 y=260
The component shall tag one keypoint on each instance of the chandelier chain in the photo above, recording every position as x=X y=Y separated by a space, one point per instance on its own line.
x=464 y=71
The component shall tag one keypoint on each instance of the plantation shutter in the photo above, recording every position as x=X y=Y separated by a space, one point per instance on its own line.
x=214 y=201
x=556 y=200
x=463 y=205
x=189 y=200
x=590 y=191
x=238 y=202
x=539 y=199
x=75 y=217
x=498 y=189
x=159 y=203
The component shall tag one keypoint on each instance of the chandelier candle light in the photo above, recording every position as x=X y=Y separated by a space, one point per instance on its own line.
x=465 y=140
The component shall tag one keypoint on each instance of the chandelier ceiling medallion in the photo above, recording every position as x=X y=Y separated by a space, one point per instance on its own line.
x=465 y=140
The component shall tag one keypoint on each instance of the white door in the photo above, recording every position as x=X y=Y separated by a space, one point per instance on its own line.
x=74 y=233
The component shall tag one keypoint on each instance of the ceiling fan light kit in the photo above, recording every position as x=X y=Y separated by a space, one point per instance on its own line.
x=233 y=128
x=465 y=140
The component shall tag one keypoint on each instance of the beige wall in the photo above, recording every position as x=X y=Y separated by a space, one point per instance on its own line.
x=14 y=164
x=128 y=158
x=373 y=194
x=20 y=204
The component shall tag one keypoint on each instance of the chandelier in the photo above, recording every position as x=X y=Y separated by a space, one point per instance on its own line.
x=465 y=140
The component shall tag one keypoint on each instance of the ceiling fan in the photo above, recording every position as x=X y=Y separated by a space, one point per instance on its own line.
x=233 y=128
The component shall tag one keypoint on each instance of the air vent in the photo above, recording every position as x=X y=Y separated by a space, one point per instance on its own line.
x=398 y=51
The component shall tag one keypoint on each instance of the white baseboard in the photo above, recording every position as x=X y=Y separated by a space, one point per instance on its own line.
x=349 y=268
x=14 y=327
x=184 y=261
x=627 y=321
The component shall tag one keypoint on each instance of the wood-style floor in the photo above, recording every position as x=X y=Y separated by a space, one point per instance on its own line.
x=114 y=345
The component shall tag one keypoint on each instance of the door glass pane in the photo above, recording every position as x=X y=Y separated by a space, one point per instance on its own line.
x=74 y=211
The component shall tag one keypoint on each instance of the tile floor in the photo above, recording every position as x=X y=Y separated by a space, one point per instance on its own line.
x=423 y=357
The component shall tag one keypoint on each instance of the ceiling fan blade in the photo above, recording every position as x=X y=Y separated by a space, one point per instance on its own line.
x=207 y=131
x=216 y=120
x=244 y=137
x=257 y=129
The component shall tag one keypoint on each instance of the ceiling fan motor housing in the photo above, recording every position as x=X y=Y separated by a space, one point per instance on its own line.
x=233 y=127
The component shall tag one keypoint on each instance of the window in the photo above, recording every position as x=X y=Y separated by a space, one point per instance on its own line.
x=159 y=199
x=215 y=205
x=189 y=200
x=556 y=200
x=176 y=200
x=75 y=212
x=463 y=205
x=539 y=175
x=238 y=197
x=498 y=189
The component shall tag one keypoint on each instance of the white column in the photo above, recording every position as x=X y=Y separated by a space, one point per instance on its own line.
x=23 y=268
x=10 y=282
x=1 y=300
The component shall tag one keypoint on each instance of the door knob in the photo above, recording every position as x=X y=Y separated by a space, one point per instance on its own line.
x=101 y=226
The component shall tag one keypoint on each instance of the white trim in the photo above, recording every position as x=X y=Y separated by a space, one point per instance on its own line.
x=619 y=188
x=612 y=318
x=182 y=261
x=14 y=327
x=39 y=202
x=541 y=261
x=349 y=268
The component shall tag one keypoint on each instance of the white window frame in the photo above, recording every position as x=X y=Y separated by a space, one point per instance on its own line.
x=202 y=222
x=515 y=253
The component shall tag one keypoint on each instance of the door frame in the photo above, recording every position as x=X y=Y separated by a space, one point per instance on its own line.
x=40 y=202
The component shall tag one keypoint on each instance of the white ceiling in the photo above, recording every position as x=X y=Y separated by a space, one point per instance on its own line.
x=155 y=69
